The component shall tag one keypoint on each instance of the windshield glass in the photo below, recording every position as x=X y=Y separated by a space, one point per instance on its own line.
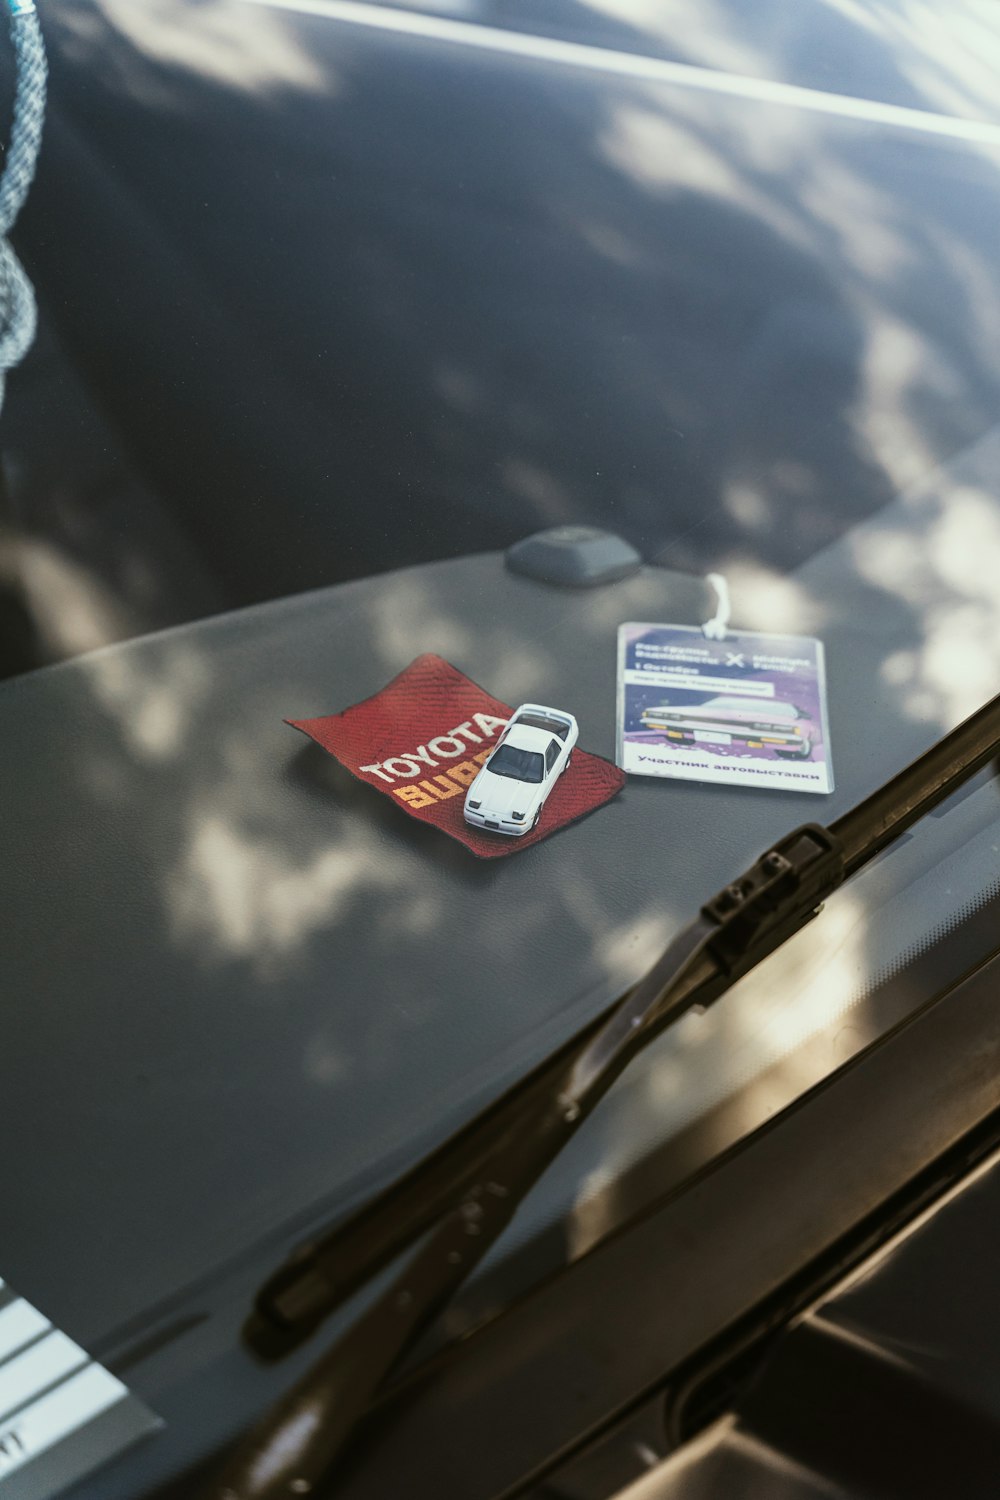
x=400 y=367
x=518 y=765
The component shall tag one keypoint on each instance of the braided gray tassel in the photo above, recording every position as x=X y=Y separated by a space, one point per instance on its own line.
x=18 y=315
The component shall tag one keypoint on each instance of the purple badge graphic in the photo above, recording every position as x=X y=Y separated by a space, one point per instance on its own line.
x=749 y=710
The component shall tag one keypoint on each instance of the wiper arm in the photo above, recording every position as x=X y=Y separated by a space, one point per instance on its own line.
x=464 y=1196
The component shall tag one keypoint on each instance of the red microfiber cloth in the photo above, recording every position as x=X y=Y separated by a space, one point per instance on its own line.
x=423 y=739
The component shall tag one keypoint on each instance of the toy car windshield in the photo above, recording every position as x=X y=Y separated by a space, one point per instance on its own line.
x=518 y=765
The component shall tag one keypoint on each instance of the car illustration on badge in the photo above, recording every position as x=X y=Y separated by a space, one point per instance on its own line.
x=758 y=723
x=531 y=754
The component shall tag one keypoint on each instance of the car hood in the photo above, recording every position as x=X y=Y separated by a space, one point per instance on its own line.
x=751 y=715
x=501 y=796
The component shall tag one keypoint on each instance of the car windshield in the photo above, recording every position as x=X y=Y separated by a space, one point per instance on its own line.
x=517 y=765
x=397 y=367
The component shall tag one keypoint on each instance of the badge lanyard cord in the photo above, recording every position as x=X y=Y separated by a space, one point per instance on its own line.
x=18 y=313
x=715 y=628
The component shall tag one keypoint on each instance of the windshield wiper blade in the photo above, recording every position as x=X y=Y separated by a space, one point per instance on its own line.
x=464 y=1196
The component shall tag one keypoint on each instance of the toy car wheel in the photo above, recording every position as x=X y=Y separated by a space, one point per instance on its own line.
x=569 y=762
x=534 y=821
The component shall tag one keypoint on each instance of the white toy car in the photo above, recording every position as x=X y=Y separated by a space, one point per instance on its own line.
x=531 y=754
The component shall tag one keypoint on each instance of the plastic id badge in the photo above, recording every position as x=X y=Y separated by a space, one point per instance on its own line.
x=747 y=710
